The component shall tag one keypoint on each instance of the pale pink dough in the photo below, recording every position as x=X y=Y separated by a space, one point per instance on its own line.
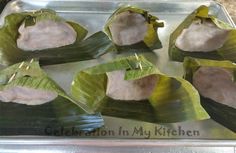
x=120 y=89
x=28 y=96
x=45 y=34
x=217 y=84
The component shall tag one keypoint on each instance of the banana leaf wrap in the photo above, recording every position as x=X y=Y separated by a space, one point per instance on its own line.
x=226 y=52
x=63 y=111
x=172 y=100
x=90 y=48
x=151 y=39
x=221 y=113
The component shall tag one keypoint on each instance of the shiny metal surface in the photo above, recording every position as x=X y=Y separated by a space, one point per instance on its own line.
x=121 y=135
x=58 y=145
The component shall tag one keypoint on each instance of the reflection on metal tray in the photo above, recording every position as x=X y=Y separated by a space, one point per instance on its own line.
x=92 y=14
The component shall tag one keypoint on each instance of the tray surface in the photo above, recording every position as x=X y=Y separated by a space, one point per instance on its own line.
x=92 y=15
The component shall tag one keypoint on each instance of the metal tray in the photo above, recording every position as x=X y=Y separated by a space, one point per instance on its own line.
x=118 y=132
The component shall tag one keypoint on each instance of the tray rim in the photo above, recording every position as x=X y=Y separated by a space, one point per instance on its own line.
x=63 y=140
x=4 y=13
x=114 y=142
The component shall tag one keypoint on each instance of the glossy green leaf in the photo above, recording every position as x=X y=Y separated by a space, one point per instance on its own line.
x=226 y=52
x=90 y=48
x=172 y=100
x=221 y=113
x=59 y=117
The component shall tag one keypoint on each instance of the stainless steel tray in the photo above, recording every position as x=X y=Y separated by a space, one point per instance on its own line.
x=121 y=132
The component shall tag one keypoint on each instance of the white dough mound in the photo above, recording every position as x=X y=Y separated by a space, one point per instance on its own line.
x=120 y=89
x=128 y=28
x=217 y=84
x=45 y=34
x=201 y=37
x=28 y=96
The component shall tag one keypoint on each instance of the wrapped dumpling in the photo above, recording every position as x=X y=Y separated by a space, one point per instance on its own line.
x=133 y=88
x=215 y=82
x=204 y=36
x=48 y=37
x=129 y=26
x=30 y=102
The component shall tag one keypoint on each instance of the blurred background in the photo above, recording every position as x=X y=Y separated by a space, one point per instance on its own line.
x=2 y=4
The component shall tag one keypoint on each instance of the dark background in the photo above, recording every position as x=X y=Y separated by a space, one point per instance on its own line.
x=2 y=4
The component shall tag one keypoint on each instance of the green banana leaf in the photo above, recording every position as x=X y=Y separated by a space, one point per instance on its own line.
x=226 y=52
x=63 y=111
x=90 y=48
x=221 y=113
x=172 y=100
x=151 y=39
